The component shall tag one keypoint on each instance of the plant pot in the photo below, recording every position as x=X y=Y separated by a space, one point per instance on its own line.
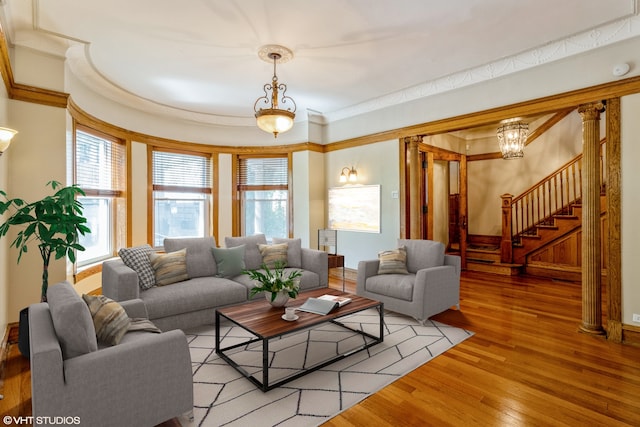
x=280 y=300
x=23 y=333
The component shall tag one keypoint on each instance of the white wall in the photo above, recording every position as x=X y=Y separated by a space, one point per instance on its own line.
x=376 y=164
x=5 y=160
x=138 y=194
x=225 y=198
x=630 y=227
x=440 y=206
x=37 y=157
x=308 y=196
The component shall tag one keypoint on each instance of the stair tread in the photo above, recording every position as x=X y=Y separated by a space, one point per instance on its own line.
x=499 y=264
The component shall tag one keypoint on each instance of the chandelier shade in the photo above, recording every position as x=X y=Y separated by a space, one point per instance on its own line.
x=270 y=117
x=512 y=137
x=274 y=121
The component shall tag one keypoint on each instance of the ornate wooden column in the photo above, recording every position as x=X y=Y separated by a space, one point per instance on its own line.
x=591 y=259
x=414 y=188
x=614 y=218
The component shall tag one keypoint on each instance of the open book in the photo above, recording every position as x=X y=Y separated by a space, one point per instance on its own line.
x=318 y=306
x=340 y=300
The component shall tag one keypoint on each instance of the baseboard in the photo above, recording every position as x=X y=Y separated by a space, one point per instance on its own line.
x=10 y=337
x=631 y=335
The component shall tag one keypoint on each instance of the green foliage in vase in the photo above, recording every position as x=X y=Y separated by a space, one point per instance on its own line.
x=55 y=222
x=274 y=280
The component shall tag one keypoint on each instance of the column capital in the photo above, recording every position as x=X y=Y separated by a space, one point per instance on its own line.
x=591 y=111
x=415 y=139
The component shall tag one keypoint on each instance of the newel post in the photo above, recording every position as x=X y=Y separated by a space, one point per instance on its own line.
x=506 y=244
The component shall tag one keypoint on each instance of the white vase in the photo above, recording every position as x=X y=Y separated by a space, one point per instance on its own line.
x=281 y=298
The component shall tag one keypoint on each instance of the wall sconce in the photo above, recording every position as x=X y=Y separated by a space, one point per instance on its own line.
x=5 y=138
x=348 y=174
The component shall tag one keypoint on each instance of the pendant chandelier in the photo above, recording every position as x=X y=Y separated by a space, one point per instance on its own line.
x=512 y=136
x=270 y=117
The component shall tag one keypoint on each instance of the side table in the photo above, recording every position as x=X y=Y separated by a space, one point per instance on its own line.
x=337 y=261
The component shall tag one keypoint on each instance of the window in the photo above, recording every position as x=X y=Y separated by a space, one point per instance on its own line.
x=100 y=172
x=181 y=195
x=264 y=196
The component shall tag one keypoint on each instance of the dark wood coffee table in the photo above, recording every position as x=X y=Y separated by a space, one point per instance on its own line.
x=265 y=323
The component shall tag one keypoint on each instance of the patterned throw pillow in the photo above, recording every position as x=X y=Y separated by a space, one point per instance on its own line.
x=230 y=261
x=109 y=318
x=393 y=261
x=137 y=259
x=169 y=268
x=274 y=253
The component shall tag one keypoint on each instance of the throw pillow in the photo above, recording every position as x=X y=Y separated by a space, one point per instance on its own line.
x=145 y=325
x=200 y=261
x=252 y=257
x=71 y=321
x=230 y=261
x=294 y=251
x=271 y=254
x=137 y=259
x=109 y=318
x=169 y=268
x=393 y=261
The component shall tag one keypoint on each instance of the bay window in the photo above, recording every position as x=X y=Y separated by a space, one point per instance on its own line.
x=100 y=162
x=263 y=195
x=182 y=188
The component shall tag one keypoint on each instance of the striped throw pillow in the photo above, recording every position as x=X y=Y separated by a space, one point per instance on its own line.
x=393 y=261
x=109 y=318
x=169 y=268
x=274 y=253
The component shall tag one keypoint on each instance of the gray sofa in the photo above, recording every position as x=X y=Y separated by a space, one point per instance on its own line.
x=427 y=284
x=192 y=302
x=144 y=380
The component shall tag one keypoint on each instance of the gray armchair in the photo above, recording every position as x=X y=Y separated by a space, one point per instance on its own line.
x=430 y=285
x=144 y=380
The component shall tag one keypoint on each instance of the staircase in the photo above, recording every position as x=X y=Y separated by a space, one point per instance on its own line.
x=486 y=258
x=541 y=228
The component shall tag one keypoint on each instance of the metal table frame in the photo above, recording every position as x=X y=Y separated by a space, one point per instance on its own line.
x=264 y=384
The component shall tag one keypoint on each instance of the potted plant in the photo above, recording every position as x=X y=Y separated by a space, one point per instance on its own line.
x=55 y=223
x=277 y=287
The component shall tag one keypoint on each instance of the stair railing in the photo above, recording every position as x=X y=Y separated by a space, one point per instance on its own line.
x=554 y=195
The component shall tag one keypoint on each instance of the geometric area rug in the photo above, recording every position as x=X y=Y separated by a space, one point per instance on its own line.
x=223 y=397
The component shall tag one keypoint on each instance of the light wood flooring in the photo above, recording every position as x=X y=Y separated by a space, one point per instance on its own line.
x=526 y=365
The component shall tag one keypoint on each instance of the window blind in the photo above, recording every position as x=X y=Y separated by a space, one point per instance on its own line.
x=265 y=171
x=181 y=172
x=100 y=164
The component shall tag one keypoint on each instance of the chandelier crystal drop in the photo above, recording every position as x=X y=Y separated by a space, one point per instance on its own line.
x=512 y=137
x=270 y=117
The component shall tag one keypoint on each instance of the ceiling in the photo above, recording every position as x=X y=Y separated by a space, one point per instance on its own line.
x=199 y=59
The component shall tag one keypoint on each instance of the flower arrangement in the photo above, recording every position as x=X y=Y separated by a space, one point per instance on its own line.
x=274 y=280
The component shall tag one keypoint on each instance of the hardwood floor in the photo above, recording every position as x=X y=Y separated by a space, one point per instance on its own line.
x=526 y=365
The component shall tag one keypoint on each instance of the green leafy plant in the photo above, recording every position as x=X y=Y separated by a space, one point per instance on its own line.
x=274 y=280
x=55 y=222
